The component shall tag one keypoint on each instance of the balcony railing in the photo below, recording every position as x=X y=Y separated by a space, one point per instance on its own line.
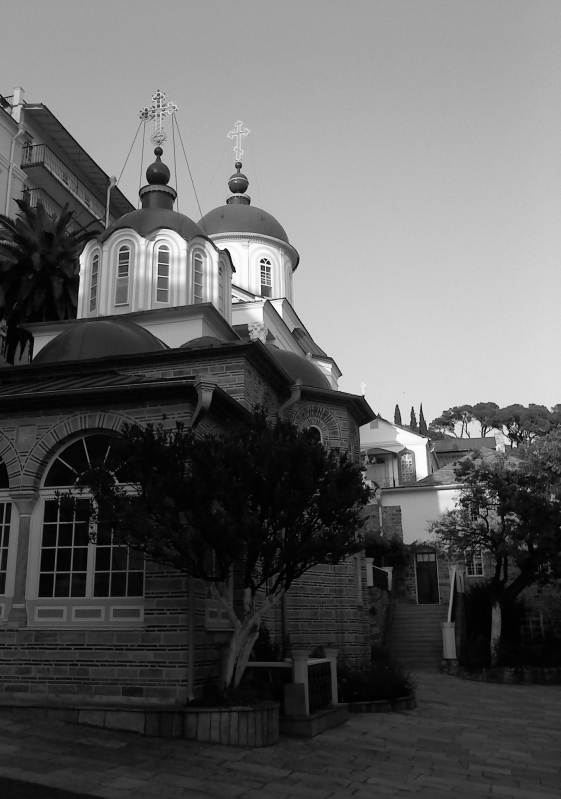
x=35 y=196
x=34 y=155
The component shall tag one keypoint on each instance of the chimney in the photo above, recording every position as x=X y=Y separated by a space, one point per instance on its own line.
x=499 y=442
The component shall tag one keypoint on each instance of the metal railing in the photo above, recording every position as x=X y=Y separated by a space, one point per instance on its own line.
x=35 y=196
x=319 y=685
x=36 y=154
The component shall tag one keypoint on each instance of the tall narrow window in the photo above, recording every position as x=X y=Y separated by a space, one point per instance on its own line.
x=162 y=278
x=407 y=468
x=220 y=290
x=5 y=516
x=93 y=284
x=266 y=277
x=122 y=284
x=474 y=563
x=198 y=278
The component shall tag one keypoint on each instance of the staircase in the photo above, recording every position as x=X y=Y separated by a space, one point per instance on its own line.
x=416 y=635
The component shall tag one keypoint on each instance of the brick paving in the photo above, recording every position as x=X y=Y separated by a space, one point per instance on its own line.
x=464 y=740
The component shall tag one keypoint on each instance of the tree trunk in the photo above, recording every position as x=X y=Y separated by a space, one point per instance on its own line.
x=496 y=624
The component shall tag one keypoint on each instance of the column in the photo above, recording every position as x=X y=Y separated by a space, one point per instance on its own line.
x=25 y=503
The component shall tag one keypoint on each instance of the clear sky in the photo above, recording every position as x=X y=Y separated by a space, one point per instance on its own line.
x=410 y=149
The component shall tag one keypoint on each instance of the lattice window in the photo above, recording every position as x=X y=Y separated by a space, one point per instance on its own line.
x=5 y=518
x=198 y=295
x=123 y=270
x=162 y=277
x=266 y=277
x=474 y=563
x=75 y=561
x=407 y=467
x=94 y=282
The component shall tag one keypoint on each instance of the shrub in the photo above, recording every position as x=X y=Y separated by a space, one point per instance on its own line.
x=368 y=682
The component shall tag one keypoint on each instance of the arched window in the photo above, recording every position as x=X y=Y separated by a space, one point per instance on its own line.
x=162 y=273
x=266 y=277
x=198 y=293
x=123 y=273
x=94 y=282
x=407 y=472
x=74 y=560
x=315 y=433
x=221 y=290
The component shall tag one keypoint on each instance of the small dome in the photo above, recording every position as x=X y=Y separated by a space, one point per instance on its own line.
x=146 y=220
x=202 y=341
x=99 y=338
x=301 y=368
x=242 y=219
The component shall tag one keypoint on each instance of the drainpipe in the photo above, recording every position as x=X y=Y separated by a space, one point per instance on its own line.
x=19 y=134
x=296 y=390
x=112 y=183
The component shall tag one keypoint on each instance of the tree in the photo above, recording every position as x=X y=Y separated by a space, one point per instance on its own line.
x=484 y=413
x=413 y=421
x=39 y=271
x=266 y=501
x=506 y=506
x=423 y=429
x=397 y=416
x=522 y=425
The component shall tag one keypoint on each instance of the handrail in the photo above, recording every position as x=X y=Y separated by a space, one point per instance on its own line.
x=33 y=155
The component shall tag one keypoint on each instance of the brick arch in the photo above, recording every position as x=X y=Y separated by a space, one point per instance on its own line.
x=61 y=434
x=11 y=459
x=318 y=416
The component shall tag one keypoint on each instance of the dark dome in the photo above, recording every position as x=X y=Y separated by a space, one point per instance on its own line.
x=146 y=220
x=99 y=338
x=242 y=219
x=202 y=341
x=301 y=368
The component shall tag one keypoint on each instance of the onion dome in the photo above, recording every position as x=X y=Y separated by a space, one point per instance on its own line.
x=99 y=338
x=239 y=216
x=157 y=207
x=301 y=368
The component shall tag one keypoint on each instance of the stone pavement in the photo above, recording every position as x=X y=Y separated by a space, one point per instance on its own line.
x=465 y=739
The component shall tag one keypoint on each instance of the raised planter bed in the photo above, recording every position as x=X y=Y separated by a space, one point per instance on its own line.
x=233 y=726
x=384 y=705
x=509 y=676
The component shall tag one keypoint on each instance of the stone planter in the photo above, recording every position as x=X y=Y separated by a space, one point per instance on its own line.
x=383 y=705
x=233 y=726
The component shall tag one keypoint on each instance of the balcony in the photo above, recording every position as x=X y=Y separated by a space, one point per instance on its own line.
x=35 y=196
x=39 y=155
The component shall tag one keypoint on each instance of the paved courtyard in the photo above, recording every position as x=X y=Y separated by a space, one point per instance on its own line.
x=465 y=739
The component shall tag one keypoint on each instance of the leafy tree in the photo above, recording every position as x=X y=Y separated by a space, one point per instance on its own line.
x=445 y=424
x=39 y=271
x=506 y=506
x=522 y=425
x=484 y=413
x=397 y=415
x=264 y=501
x=413 y=421
x=423 y=429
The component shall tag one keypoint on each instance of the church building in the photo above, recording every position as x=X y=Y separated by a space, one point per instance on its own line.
x=189 y=321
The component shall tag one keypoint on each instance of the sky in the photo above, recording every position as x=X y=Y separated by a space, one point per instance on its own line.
x=410 y=149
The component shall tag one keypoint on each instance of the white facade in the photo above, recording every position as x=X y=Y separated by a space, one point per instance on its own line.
x=400 y=455
x=419 y=505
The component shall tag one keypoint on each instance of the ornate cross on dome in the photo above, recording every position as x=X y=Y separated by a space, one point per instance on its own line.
x=157 y=111
x=237 y=134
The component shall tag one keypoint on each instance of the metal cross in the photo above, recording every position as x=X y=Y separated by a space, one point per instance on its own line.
x=237 y=134
x=157 y=111
x=362 y=388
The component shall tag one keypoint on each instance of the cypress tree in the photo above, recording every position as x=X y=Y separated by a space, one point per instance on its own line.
x=423 y=429
x=397 y=415
x=413 y=422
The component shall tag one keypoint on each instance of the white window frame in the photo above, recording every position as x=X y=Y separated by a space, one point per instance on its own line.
x=474 y=563
x=122 y=282
x=94 y=280
x=161 y=248
x=266 y=276
x=198 y=294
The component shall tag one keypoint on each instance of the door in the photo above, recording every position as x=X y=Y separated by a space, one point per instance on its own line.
x=427 y=578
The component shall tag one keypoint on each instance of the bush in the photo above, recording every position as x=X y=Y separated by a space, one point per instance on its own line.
x=368 y=682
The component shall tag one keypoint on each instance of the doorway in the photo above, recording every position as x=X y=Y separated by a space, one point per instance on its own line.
x=427 y=578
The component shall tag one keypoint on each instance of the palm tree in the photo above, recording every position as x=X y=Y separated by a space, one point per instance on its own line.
x=39 y=271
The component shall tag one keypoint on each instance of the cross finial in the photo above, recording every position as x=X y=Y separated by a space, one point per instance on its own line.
x=237 y=134
x=363 y=388
x=157 y=111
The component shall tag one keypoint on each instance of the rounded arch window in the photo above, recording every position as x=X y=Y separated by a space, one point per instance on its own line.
x=123 y=275
x=163 y=263
x=94 y=281
x=407 y=470
x=77 y=560
x=266 y=272
x=315 y=433
x=198 y=278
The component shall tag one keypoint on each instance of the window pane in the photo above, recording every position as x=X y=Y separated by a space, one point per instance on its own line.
x=46 y=582
x=102 y=559
x=119 y=584
x=64 y=559
x=62 y=585
x=101 y=584
x=65 y=535
x=80 y=559
x=119 y=559
x=136 y=584
x=48 y=560
x=79 y=584
x=49 y=535
x=51 y=510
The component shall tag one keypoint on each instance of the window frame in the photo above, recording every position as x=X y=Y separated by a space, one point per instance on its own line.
x=162 y=248
x=198 y=296
x=266 y=268
x=125 y=280
x=94 y=280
